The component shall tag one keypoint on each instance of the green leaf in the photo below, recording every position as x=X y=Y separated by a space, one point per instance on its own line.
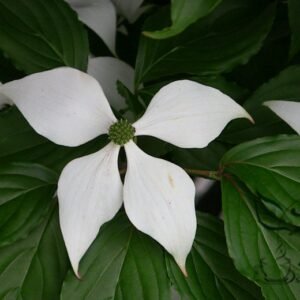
x=294 y=12
x=183 y=14
x=268 y=256
x=207 y=158
x=122 y=263
x=39 y=35
x=284 y=86
x=26 y=193
x=19 y=142
x=229 y=88
x=8 y=71
x=270 y=167
x=237 y=27
x=219 y=82
x=133 y=104
x=211 y=273
x=34 y=268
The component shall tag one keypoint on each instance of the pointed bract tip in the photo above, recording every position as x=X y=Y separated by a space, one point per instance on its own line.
x=251 y=119
x=76 y=271
x=184 y=271
x=77 y=275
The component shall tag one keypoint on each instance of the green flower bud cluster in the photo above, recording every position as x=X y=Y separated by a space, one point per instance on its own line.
x=121 y=132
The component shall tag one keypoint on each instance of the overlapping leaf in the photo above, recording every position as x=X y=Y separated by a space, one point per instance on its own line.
x=284 y=86
x=211 y=46
x=121 y=264
x=294 y=12
x=39 y=35
x=270 y=167
x=34 y=268
x=19 y=142
x=268 y=255
x=212 y=274
x=183 y=14
x=26 y=195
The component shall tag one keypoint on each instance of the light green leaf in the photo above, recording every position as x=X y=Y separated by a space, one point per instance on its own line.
x=294 y=13
x=122 y=263
x=212 y=274
x=223 y=40
x=270 y=167
x=183 y=14
x=26 y=195
x=35 y=267
x=39 y=35
x=268 y=256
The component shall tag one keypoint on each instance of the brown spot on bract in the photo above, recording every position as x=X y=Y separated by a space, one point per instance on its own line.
x=171 y=181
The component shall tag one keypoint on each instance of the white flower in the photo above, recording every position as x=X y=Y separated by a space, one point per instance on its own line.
x=69 y=108
x=101 y=16
x=289 y=111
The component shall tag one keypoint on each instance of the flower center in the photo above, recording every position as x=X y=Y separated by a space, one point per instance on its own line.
x=121 y=132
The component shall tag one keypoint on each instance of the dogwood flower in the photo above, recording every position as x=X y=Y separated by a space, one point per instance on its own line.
x=69 y=108
x=288 y=111
x=101 y=16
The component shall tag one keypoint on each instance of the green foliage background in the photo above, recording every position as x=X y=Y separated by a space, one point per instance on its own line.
x=248 y=49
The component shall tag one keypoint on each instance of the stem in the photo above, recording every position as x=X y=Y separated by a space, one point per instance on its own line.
x=205 y=173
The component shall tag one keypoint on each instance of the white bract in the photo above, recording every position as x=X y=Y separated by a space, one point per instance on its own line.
x=101 y=16
x=288 y=111
x=69 y=108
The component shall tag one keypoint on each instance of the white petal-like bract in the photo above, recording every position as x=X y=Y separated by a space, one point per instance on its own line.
x=65 y=105
x=109 y=70
x=90 y=194
x=289 y=111
x=100 y=16
x=159 y=201
x=188 y=114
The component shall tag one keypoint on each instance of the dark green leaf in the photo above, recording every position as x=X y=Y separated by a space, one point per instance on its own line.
x=229 y=88
x=212 y=274
x=238 y=28
x=121 y=264
x=268 y=256
x=35 y=267
x=26 y=195
x=19 y=142
x=284 y=86
x=207 y=158
x=294 y=13
x=219 y=82
x=132 y=101
x=270 y=167
x=183 y=14
x=39 y=35
x=8 y=71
